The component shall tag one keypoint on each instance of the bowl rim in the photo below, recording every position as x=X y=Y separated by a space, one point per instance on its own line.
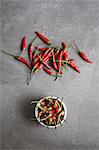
x=36 y=111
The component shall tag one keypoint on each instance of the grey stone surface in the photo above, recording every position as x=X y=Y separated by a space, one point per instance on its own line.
x=60 y=20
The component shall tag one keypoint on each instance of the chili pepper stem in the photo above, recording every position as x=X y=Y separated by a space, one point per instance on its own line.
x=64 y=66
x=9 y=54
x=56 y=75
x=21 y=52
x=76 y=46
x=33 y=102
x=60 y=123
x=34 y=39
x=43 y=62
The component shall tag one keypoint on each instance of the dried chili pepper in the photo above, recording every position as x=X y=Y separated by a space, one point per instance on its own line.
x=30 y=53
x=50 y=72
x=71 y=64
x=57 y=52
x=50 y=49
x=42 y=37
x=21 y=59
x=65 y=54
x=60 y=60
x=36 y=58
x=24 y=61
x=44 y=61
x=54 y=62
x=84 y=57
x=45 y=57
x=59 y=63
x=42 y=49
x=38 y=66
x=31 y=50
x=33 y=55
x=23 y=45
x=82 y=54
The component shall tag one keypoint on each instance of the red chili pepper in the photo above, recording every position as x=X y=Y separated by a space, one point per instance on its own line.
x=44 y=61
x=36 y=58
x=34 y=55
x=60 y=61
x=65 y=54
x=31 y=55
x=45 y=57
x=30 y=52
x=54 y=62
x=84 y=57
x=21 y=59
x=45 y=39
x=82 y=54
x=24 y=44
x=53 y=111
x=71 y=64
x=24 y=61
x=57 y=52
x=43 y=49
x=48 y=53
x=50 y=72
x=38 y=66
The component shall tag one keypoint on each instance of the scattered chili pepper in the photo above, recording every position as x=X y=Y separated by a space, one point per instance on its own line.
x=31 y=50
x=65 y=53
x=30 y=53
x=71 y=64
x=45 y=39
x=50 y=49
x=54 y=62
x=50 y=72
x=60 y=60
x=34 y=55
x=44 y=61
x=24 y=44
x=45 y=57
x=43 y=49
x=38 y=66
x=84 y=57
x=82 y=54
x=57 y=52
x=21 y=59
x=41 y=57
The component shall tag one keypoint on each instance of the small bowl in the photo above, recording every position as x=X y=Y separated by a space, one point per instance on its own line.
x=41 y=122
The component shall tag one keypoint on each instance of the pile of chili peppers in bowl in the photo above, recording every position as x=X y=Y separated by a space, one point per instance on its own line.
x=50 y=112
x=49 y=57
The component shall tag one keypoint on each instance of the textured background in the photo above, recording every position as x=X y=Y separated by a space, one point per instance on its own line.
x=60 y=20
